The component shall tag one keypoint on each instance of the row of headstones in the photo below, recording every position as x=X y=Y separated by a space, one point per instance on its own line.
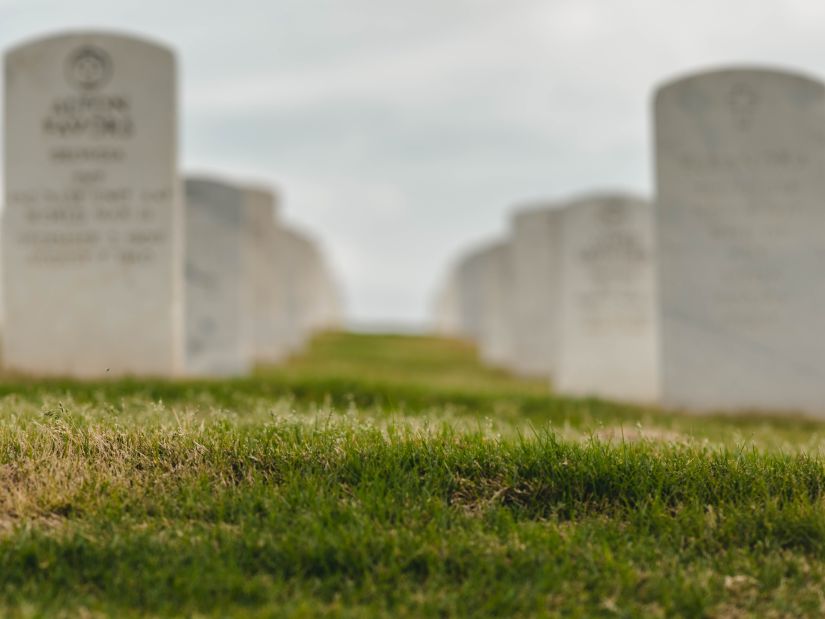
x=711 y=298
x=112 y=265
x=255 y=289
x=568 y=294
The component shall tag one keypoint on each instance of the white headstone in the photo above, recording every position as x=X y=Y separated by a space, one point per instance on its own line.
x=320 y=291
x=608 y=344
x=741 y=229
x=482 y=283
x=470 y=293
x=331 y=311
x=496 y=343
x=218 y=279
x=312 y=299
x=92 y=248
x=297 y=273
x=267 y=335
x=536 y=263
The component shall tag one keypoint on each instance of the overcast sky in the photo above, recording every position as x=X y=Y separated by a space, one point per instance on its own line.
x=401 y=132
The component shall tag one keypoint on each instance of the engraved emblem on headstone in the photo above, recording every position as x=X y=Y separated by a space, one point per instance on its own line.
x=88 y=68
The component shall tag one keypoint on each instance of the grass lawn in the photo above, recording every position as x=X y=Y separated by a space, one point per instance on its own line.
x=394 y=476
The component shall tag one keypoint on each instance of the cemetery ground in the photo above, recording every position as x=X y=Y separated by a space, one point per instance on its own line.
x=395 y=476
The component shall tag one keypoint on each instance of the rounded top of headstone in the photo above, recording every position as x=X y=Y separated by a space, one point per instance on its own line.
x=211 y=188
x=87 y=63
x=297 y=234
x=209 y=182
x=483 y=254
x=478 y=251
x=261 y=192
x=206 y=183
x=261 y=197
x=724 y=75
x=610 y=209
x=601 y=198
x=222 y=199
x=531 y=212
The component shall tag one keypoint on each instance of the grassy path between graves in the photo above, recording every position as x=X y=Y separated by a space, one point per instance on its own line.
x=394 y=476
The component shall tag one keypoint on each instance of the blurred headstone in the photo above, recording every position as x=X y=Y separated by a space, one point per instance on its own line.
x=483 y=283
x=608 y=333
x=446 y=319
x=297 y=266
x=218 y=279
x=330 y=313
x=496 y=343
x=740 y=160
x=92 y=253
x=470 y=293
x=536 y=259
x=268 y=333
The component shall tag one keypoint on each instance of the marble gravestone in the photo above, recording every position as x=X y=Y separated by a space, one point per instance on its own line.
x=267 y=337
x=608 y=327
x=740 y=176
x=306 y=295
x=313 y=296
x=319 y=290
x=536 y=273
x=470 y=293
x=92 y=230
x=496 y=342
x=331 y=310
x=296 y=266
x=218 y=279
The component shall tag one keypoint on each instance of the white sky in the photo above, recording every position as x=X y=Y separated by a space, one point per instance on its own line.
x=401 y=132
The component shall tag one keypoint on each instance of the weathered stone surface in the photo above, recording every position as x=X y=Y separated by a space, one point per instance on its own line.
x=740 y=160
x=608 y=325
x=92 y=247
x=536 y=272
x=218 y=278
